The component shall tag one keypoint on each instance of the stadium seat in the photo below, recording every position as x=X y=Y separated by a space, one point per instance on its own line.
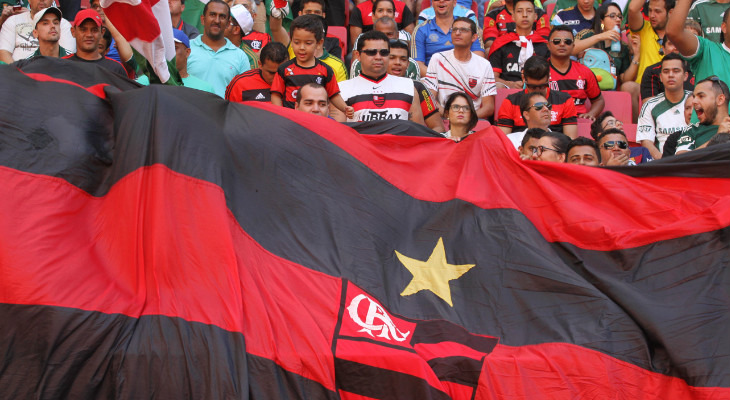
x=339 y=32
x=584 y=127
x=501 y=95
x=619 y=103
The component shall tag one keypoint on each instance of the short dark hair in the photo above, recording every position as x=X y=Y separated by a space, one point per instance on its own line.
x=536 y=67
x=375 y=4
x=601 y=14
x=674 y=56
x=525 y=103
x=583 y=141
x=723 y=89
x=517 y=1
x=371 y=35
x=472 y=24
x=561 y=28
x=473 y=119
x=320 y=2
x=205 y=9
x=107 y=36
x=398 y=44
x=694 y=25
x=275 y=52
x=310 y=23
x=611 y=131
x=309 y=85
x=596 y=126
x=532 y=133
x=668 y=5
x=719 y=138
x=560 y=140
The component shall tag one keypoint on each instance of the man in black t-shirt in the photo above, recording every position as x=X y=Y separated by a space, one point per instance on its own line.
x=87 y=30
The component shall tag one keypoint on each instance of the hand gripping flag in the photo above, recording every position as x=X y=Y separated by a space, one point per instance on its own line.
x=162 y=242
x=146 y=24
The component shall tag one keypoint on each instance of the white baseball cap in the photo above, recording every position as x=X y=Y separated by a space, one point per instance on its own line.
x=243 y=17
x=43 y=12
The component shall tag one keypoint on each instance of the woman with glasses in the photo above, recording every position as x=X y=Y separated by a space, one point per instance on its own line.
x=552 y=146
x=461 y=115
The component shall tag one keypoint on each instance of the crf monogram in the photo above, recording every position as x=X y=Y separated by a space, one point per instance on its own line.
x=375 y=312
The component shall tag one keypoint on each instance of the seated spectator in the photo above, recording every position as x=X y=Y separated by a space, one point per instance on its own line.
x=242 y=24
x=213 y=58
x=363 y=17
x=459 y=70
x=176 y=9
x=461 y=114
x=571 y=76
x=182 y=52
x=709 y=15
x=434 y=36
x=398 y=65
x=16 y=40
x=651 y=82
x=255 y=40
x=670 y=145
x=313 y=99
x=563 y=117
x=578 y=18
x=706 y=58
x=614 y=148
x=459 y=11
x=535 y=110
x=498 y=22
x=317 y=7
x=530 y=142
x=624 y=64
x=374 y=94
x=47 y=29
x=510 y=51
x=552 y=147
x=583 y=151
x=255 y=85
x=710 y=103
x=663 y=114
x=605 y=121
x=388 y=26
x=652 y=32
x=86 y=30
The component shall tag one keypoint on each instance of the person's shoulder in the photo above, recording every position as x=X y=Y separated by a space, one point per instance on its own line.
x=565 y=11
x=559 y=97
x=698 y=3
x=516 y=97
x=494 y=13
x=365 y=6
x=255 y=73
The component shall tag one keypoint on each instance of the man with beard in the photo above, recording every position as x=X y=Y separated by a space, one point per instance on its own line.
x=213 y=58
x=87 y=29
x=650 y=32
x=16 y=36
x=710 y=103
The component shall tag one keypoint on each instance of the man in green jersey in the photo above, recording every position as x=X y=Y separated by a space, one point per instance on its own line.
x=710 y=104
x=709 y=13
x=663 y=114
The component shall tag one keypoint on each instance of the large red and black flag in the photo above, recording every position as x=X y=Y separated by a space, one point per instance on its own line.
x=161 y=242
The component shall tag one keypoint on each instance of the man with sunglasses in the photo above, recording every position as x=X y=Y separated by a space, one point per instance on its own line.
x=389 y=27
x=614 y=148
x=374 y=94
x=459 y=70
x=571 y=76
x=535 y=111
x=710 y=103
x=536 y=73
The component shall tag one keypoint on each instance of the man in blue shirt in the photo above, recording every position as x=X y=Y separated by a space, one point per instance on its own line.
x=213 y=58
x=434 y=36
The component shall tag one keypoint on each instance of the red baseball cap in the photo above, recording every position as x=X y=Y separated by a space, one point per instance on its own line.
x=83 y=15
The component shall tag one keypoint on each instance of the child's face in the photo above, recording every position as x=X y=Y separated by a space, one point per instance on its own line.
x=304 y=44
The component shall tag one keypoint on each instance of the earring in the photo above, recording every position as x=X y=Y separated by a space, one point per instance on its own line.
x=601 y=26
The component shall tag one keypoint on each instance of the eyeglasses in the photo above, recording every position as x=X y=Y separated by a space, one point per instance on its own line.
x=613 y=15
x=461 y=30
x=457 y=108
x=568 y=42
x=373 y=52
x=538 y=106
x=612 y=143
x=538 y=86
x=540 y=149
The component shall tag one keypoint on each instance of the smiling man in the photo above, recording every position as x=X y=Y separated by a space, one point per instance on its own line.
x=213 y=58
x=16 y=36
x=87 y=30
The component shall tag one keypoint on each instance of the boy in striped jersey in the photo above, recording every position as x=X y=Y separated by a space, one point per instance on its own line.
x=663 y=114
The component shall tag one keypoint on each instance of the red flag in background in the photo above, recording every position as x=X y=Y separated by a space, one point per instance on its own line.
x=146 y=24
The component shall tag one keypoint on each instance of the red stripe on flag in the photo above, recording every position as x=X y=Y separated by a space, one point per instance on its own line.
x=352 y=396
x=134 y=21
x=96 y=90
x=652 y=209
x=128 y=259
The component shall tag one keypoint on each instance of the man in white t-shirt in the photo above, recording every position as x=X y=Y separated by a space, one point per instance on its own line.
x=16 y=36
x=663 y=114
x=460 y=70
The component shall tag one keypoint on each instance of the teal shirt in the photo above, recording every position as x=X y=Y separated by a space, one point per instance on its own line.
x=216 y=67
x=709 y=56
x=709 y=14
x=195 y=83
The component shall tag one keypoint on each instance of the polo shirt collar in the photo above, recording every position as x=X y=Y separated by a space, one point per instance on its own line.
x=199 y=42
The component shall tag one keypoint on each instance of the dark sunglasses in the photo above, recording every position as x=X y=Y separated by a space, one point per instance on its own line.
x=540 y=105
x=620 y=143
x=566 y=41
x=717 y=81
x=373 y=52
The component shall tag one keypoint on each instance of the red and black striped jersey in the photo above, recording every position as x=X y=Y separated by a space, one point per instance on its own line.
x=362 y=15
x=248 y=86
x=256 y=40
x=562 y=113
x=291 y=76
x=386 y=97
x=578 y=81
x=499 y=21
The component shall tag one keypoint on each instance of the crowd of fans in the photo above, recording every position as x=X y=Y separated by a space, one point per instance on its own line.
x=442 y=66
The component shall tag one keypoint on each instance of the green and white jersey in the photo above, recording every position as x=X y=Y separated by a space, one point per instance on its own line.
x=709 y=14
x=695 y=136
x=659 y=118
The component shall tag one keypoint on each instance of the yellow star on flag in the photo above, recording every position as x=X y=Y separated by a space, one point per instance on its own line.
x=433 y=274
